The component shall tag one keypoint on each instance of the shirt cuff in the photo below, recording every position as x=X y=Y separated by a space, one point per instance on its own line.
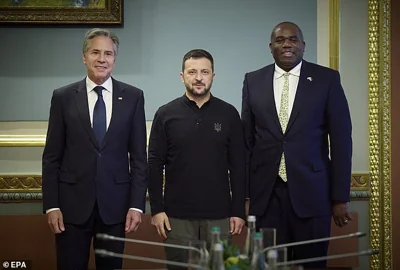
x=336 y=202
x=51 y=210
x=136 y=209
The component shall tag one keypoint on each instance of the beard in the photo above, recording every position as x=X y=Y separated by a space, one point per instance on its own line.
x=193 y=92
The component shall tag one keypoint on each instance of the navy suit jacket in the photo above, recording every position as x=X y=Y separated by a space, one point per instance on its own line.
x=318 y=168
x=77 y=172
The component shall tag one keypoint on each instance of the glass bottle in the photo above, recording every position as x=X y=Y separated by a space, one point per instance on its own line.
x=215 y=237
x=272 y=258
x=251 y=229
x=217 y=262
x=258 y=258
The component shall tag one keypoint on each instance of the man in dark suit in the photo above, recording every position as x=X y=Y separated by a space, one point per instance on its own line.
x=94 y=161
x=298 y=135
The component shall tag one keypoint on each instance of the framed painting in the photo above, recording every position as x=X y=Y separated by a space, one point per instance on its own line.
x=61 y=12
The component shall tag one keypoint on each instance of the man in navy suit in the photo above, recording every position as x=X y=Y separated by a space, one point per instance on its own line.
x=299 y=147
x=94 y=161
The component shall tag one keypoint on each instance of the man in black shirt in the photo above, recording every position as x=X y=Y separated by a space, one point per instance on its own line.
x=198 y=140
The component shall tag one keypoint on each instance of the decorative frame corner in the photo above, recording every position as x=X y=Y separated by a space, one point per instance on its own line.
x=112 y=13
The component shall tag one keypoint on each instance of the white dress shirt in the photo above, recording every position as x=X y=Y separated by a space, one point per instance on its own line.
x=92 y=99
x=294 y=75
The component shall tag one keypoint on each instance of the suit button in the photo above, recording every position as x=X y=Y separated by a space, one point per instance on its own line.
x=99 y=154
x=284 y=142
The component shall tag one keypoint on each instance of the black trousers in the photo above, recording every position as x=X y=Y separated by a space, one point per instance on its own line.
x=292 y=228
x=73 y=245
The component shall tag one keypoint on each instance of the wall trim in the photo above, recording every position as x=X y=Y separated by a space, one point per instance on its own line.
x=23 y=188
x=22 y=140
x=334 y=33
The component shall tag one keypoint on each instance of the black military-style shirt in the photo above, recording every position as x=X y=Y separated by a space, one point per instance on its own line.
x=203 y=154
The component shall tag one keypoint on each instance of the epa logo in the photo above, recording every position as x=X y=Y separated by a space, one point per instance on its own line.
x=15 y=265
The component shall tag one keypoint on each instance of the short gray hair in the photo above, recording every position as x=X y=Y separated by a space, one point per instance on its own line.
x=96 y=32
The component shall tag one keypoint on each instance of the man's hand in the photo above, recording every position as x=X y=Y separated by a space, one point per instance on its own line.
x=161 y=221
x=133 y=220
x=235 y=225
x=341 y=215
x=55 y=220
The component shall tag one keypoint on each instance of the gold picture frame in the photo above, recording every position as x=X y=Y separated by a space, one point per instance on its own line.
x=110 y=12
x=380 y=132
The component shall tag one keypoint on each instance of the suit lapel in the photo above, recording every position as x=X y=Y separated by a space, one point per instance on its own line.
x=270 y=98
x=81 y=101
x=301 y=93
x=117 y=110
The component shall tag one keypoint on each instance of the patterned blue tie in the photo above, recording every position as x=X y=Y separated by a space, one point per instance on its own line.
x=99 y=116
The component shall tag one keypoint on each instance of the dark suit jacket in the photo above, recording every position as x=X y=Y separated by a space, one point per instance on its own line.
x=316 y=177
x=77 y=172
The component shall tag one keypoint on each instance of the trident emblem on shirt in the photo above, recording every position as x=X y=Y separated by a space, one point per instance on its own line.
x=217 y=127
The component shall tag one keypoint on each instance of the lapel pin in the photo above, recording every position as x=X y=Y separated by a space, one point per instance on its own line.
x=309 y=78
x=119 y=98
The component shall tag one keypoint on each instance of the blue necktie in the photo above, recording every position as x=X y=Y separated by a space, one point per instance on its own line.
x=99 y=116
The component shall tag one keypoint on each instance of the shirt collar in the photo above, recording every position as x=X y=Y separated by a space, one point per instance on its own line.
x=187 y=100
x=90 y=85
x=294 y=71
